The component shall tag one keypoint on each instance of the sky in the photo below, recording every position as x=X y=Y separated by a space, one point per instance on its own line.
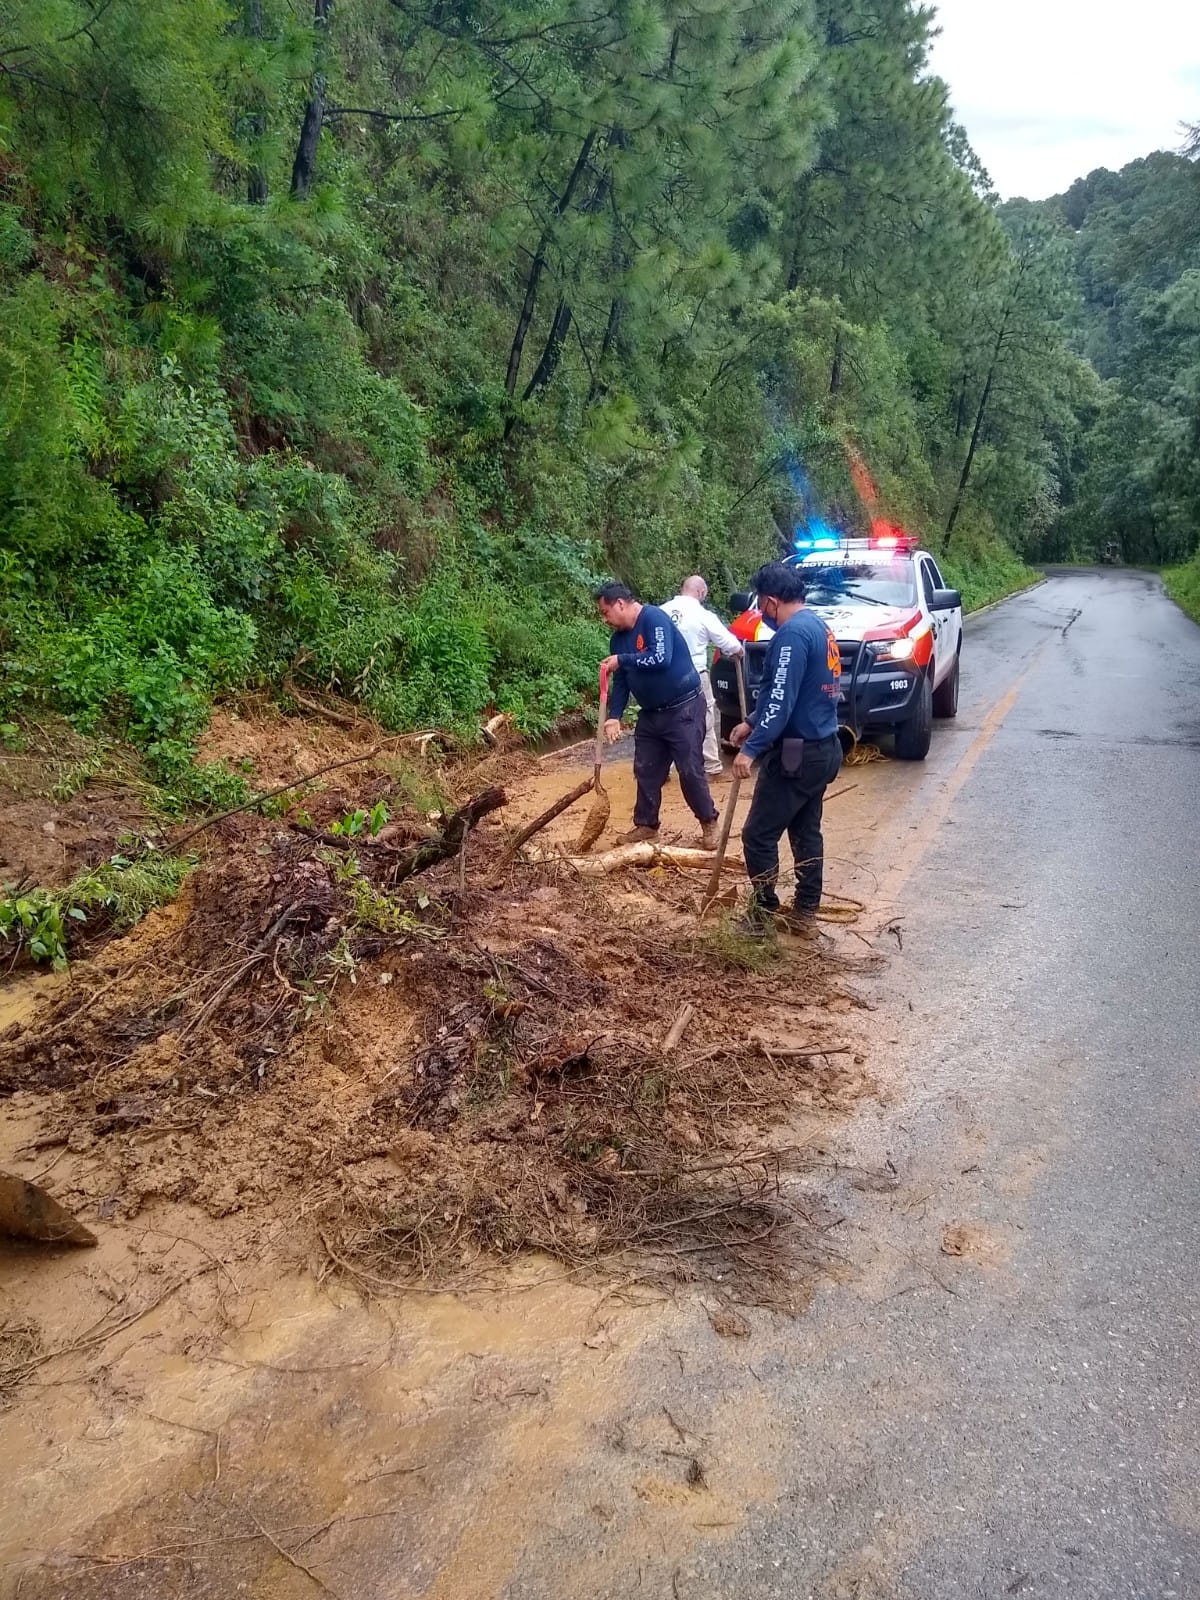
x=1050 y=89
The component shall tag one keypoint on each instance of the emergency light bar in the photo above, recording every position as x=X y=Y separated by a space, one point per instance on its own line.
x=900 y=543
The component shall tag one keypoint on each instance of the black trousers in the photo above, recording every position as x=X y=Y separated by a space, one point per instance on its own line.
x=792 y=806
x=660 y=738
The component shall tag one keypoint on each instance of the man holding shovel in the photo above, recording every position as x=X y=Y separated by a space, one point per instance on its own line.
x=792 y=734
x=651 y=663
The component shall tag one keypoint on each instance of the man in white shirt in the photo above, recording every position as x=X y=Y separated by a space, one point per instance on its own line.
x=700 y=628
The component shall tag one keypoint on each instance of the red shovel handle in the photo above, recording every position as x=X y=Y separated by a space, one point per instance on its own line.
x=601 y=715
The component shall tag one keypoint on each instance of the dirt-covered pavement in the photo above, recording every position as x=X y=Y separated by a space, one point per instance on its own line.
x=983 y=1384
x=347 y=1068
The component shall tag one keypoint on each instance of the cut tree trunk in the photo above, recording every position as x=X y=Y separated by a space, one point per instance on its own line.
x=632 y=855
x=539 y=822
x=449 y=841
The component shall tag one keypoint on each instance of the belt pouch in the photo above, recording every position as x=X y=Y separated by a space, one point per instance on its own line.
x=791 y=756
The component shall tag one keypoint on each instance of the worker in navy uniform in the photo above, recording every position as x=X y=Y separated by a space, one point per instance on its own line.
x=792 y=735
x=651 y=663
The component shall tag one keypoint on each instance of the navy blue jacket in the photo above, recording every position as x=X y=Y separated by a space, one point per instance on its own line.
x=800 y=685
x=654 y=664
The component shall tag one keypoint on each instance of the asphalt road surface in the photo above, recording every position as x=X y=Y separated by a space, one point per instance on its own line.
x=1000 y=1396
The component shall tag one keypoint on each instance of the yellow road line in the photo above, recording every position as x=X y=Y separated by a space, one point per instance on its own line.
x=927 y=830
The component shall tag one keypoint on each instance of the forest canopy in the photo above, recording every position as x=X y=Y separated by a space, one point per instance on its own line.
x=349 y=345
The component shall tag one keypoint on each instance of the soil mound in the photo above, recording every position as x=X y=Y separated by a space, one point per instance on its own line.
x=425 y=1058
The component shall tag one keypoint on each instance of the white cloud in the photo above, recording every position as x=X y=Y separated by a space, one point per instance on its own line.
x=1050 y=89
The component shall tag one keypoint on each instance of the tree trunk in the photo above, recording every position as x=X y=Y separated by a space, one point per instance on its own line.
x=793 y=277
x=304 y=168
x=632 y=855
x=965 y=477
x=835 y=375
x=538 y=266
x=257 y=192
x=960 y=416
x=606 y=344
x=551 y=352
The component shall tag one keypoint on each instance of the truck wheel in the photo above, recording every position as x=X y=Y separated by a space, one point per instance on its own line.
x=945 y=696
x=728 y=724
x=913 y=737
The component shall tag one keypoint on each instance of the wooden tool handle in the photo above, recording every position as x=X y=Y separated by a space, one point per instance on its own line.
x=714 y=881
x=740 y=669
x=602 y=717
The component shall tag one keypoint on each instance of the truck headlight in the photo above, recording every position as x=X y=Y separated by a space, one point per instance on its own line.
x=902 y=649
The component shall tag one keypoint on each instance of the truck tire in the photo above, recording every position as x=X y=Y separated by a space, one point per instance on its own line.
x=945 y=696
x=913 y=737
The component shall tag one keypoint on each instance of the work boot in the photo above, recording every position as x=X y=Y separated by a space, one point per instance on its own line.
x=801 y=923
x=710 y=834
x=637 y=835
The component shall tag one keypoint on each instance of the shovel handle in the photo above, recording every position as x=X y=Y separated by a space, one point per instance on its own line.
x=602 y=716
x=739 y=667
x=714 y=881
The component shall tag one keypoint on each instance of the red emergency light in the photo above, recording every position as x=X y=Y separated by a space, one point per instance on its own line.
x=886 y=536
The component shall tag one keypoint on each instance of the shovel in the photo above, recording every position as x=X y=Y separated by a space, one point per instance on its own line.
x=714 y=881
x=598 y=816
x=28 y=1212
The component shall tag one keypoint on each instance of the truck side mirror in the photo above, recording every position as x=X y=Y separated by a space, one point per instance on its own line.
x=738 y=603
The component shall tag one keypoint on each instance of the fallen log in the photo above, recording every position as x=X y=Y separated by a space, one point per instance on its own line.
x=28 y=1212
x=449 y=841
x=539 y=822
x=633 y=855
x=496 y=729
x=344 y=719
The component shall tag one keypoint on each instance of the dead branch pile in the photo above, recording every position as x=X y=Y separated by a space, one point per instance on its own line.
x=436 y=1071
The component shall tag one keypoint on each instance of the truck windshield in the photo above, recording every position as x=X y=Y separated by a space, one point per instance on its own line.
x=881 y=583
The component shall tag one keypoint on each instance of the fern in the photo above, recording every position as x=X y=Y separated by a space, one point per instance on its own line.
x=85 y=393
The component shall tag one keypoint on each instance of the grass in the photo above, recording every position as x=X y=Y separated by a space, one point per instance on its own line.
x=728 y=946
x=1183 y=585
x=986 y=575
x=39 y=923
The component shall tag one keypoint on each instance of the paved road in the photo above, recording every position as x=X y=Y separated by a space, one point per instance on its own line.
x=1019 y=1419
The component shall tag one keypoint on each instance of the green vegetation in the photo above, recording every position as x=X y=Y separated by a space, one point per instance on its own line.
x=729 y=946
x=1183 y=585
x=1132 y=477
x=985 y=569
x=114 y=896
x=349 y=345
x=360 y=821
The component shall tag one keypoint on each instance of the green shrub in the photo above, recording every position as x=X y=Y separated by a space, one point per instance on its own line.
x=113 y=896
x=982 y=566
x=1183 y=585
